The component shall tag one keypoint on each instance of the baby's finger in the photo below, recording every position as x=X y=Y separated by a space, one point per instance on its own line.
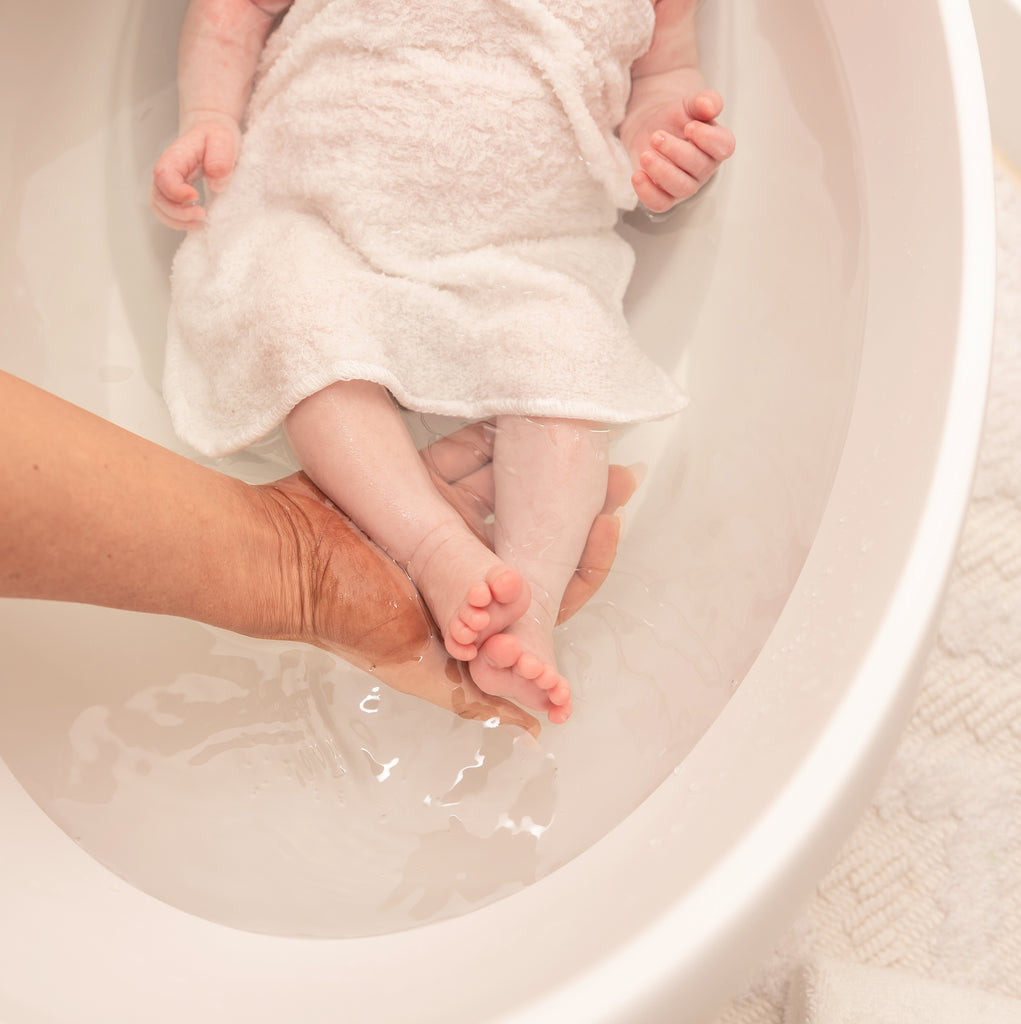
x=180 y=216
x=179 y=224
x=716 y=141
x=668 y=177
x=706 y=105
x=685 y=155
x=218 y=162
x=651 y=196
x=171 y=206
x=170 y=179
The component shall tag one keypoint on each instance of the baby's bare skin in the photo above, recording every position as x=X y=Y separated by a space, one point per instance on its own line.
x=365 y=609
x=94 y=514
x=475 y=594
x=670 y=128
x=496 y=608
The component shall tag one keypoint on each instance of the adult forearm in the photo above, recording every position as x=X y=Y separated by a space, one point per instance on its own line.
x=92 y=513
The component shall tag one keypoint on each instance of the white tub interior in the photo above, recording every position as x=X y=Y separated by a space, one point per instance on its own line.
x=827 y=305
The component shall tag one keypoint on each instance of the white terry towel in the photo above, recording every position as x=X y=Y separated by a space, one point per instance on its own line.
x=828 y=991
x=426 y=197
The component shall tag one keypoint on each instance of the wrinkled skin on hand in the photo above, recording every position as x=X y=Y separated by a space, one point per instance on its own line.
x=357 y=603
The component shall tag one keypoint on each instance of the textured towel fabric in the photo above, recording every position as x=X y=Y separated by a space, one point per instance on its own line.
x=426 y=197
x=930 y=881
x=828 y=991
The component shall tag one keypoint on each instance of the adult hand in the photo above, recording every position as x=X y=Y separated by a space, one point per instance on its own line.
x=357 y=603
x=461 y=467
x=92 y=513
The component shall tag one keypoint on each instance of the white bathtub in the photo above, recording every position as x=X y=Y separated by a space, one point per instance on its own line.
x=998 y=27
x=835 y=293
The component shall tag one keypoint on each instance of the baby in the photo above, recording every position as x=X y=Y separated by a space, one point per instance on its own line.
x=421 y=208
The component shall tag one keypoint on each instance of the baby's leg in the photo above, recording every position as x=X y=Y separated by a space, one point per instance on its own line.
x=550 y=478
x=352 y=442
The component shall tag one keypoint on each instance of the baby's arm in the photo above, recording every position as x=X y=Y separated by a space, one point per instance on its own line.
x=221 y=41
x=670 y=128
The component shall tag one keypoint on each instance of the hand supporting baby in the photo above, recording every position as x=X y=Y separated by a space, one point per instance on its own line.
x=672 y=136
x=358 y=604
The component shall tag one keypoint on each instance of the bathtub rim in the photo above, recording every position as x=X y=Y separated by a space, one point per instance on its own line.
x=635 y=973
x=998 y=27
x=803 y=830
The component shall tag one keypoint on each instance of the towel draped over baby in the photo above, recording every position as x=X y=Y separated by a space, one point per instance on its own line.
x=426 y=198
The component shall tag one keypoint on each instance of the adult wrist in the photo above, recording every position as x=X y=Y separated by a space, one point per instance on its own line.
x=275 y=589
x=332 y=587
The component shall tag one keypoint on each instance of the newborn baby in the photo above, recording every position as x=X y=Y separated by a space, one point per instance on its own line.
x=421 y=210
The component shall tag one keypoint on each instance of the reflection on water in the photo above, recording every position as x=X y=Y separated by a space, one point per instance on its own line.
x=279 y=790
x=273 y=788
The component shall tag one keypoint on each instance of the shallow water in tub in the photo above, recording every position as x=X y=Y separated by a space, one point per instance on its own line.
x=270 y=787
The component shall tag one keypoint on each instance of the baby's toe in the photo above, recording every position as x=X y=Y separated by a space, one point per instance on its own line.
x=458 y=650
x=473 y=618
x=502 y=650
x=479 y=596
x=505 y=584
x=460 y=632
x=557 y=688
x=560 y=691
x=530 y=667
x=559 y=714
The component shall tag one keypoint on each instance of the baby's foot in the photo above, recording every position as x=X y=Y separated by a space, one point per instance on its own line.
x=489 y=606
x=471 y=593
x=504 y=669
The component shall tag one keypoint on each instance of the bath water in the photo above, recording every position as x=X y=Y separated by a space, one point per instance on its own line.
x=273 y=788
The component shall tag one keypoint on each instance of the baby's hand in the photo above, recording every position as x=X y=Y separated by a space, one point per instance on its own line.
x=671 y=134
x=208 y=148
